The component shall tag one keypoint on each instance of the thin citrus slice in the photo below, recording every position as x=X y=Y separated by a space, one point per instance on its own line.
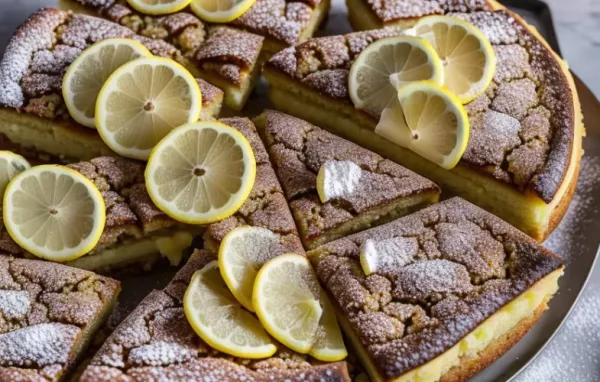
x=387 y=64
x=329 y=343
x=142 y=101
x=241 y=254
x=467 y=55
x=54 y=212
x=337 y=179
x=430 y=121
x=86 y=75
x=286 y=299
x=201 y=172
x=220 y=11
x=11 y=164
x=220 y=320
x=158 y=7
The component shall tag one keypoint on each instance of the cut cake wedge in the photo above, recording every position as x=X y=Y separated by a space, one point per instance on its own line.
x=454 y=288
x=384 y=191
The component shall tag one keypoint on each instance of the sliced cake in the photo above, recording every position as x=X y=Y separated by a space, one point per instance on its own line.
x=48 y=315
x=522 y=159
x=33 y=114
x=383 y=191
x=450 y=289
x=156 y=342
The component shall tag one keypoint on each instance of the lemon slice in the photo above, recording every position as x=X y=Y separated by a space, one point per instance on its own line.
x=220 y=11
x=467 y=55
x=386 y=65
x=158 y=7
x=54 y=212
x=430 y=121
x=337 y=179
x=11 y=164
x=329 y=343
x=201 y=172
x=286 y=299
x=220 y=320
x=86 y=75
x=241 y=254
x=142 y=101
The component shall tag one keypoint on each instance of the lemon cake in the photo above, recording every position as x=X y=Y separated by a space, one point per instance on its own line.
x=282 y=23
x=522 y=159
x=32 y=109
x=48 y=315
x=156 y=342
x=451 y=288
x=384 y=190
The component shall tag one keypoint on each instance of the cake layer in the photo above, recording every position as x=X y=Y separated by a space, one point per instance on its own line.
x=453 y=288
x=156 y=342
x=384 y=192
x=48 y=314
x=526 y=129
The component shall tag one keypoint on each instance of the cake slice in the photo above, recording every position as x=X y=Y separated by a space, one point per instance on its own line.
x=282 y=23
x=452 y=289
x=48 y=315
x=32 y=110
x=385 y=190
x=156 y=343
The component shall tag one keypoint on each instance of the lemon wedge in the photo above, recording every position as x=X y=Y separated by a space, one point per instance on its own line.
x=329 y=343
x=286 y=298
x=386 y=65
x=158 y=7
x=54 y=212
x=220 y=320
x=201 y=172
x=220 y=11
x=241 y=254
x=468 y=57
x=11 y=164
x=86 y=75
x=142 y=101
x=430 y=120
x=337 y=179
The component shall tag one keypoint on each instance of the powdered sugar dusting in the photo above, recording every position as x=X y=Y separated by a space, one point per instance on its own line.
x=14 y=304
x=340 y=179
x=389 y=255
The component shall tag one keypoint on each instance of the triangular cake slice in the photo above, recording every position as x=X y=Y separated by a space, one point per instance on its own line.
x=383 y=191
x=48 y=315
x=451 y=288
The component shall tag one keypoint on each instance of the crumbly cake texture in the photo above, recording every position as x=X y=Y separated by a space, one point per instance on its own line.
x=299 y=149
x=464 y=266
x=156 y=342
x=265 y=207
x=43 y=47
x=48 y=312
x=522 y=127
x=282 y=21
x=388 y=11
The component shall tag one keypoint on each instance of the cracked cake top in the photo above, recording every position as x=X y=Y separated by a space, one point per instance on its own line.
x=522 y=127
x=44 y=46
x=45 y=310
x=299 y=149
x=393 y=10
x=283 y=21
x=459 y=265
x=156 y=342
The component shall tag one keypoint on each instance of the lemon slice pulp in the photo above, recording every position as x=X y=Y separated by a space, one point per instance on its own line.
x=329 y=343
x=467 y=55
x=142 y=101
x=54 y=212
x=386 y=65
x=86 y=75
x=241 y=254
x=158 y=7
x=11 y=164
x=201 y=172
x=220 y=320
x=286 y=299
x=220 y=11
x=430 y=121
